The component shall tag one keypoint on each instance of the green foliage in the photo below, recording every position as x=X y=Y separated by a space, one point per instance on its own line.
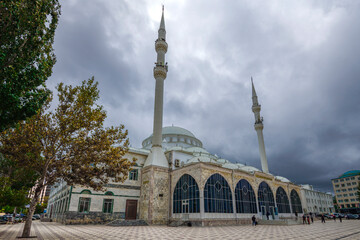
x=16 y=183
x=27 y=30
x=40 y=208
x=69 y=143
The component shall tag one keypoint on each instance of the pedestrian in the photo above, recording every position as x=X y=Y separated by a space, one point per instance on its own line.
x=308 y=219
x=334 y=218
x=340 y=217
x=267 y=215
x=312 y=217
x=296 y=215
x=304 y=219
x=322 y=218
x=253 y=220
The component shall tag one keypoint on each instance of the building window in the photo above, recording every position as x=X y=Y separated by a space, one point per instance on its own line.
x=344 y=190
x=295 y=202
x=341 y=180
x=109 y=193
x=343 y=185
x=345 y=195
x=217 y=195
x=336 y=180
x=339 y=195
x=282 y=201
x=353 y=183
x=85 y=191
x=108 y=205
x=348 y=184
x=245 y=197
x=337 y=185
x=186 y=198
x=265 y=198
x=353 y=200
x=133 y=175
x=84 y=205
x=338 y=191
x=352 y=178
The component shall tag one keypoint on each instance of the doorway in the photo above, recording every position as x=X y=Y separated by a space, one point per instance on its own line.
x=131 y=209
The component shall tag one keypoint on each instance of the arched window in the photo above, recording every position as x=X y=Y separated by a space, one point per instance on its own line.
x=265 y=198
x=217 y=195
x=85 y=191
x=186 y=197
x=245 y=197
x=295 y=202
x=282 y=201
x=109 y=193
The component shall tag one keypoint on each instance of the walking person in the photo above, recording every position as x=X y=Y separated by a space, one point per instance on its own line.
x=267 y=215
x=334 y=218
x=296 y=215
x=253 y=220
x=340 y=217
x=322 y=218
x=312 y=217
x=304 y=219
x=308 y=219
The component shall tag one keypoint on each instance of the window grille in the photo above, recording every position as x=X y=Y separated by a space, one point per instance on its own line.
x=186 y=197
x=84 y=205
x=295 y=202
x=245 y=197
x=217 y=195
x=282 y=201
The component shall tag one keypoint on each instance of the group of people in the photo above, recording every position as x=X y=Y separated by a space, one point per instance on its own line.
x=334 y=217
x=307 y=217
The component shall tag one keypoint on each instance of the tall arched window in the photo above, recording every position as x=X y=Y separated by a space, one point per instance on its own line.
x=265 y=198
x=186 y=195
x=245 y=197
x=217 y=195
x=282 y=201
x=295 y=202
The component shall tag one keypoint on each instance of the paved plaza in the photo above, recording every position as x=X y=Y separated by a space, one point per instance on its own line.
x=330 y=230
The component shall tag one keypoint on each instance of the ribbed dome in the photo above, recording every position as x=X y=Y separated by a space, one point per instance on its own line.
x=175 y=137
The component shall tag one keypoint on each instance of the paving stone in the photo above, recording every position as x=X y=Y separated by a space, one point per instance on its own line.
x=349 y=229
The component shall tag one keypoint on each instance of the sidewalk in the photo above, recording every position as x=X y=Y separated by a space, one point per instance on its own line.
x=348 y=229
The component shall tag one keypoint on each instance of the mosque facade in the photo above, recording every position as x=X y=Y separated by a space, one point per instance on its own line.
x=176 y=179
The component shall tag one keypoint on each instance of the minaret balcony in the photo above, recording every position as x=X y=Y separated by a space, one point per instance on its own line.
x=160 y=71
x=161 y=45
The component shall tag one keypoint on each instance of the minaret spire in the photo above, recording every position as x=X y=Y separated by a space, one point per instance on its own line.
x=157 y=156
x=259 y=126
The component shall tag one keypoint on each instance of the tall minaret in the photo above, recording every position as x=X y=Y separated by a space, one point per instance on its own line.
x=157 y=156
x=259 y=128
x=155 y=181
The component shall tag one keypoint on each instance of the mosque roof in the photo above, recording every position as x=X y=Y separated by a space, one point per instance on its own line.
x=173 y=130
x=283 y=179
x=249 y=169
x=350 y=173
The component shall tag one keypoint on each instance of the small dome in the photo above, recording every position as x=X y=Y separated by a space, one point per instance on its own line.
x=249 y=169
x=200 y=159
x=230 y=166
x=196 y=150
x=240 y=165
x=283 y=179
x=221 y=160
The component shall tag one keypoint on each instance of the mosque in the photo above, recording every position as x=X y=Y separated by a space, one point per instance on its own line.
x=175 y=179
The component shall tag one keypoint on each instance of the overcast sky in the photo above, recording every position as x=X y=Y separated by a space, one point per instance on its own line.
x=304 y=57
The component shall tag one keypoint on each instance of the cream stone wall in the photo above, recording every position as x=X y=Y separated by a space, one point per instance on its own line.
x=154 y=198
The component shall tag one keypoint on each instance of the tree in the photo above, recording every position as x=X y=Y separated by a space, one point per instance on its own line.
x=27 y=30
x=69 y=143
x=16 y=183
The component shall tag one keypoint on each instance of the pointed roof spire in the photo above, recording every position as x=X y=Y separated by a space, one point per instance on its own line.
x=253 y=88
x=162 y=23
x=254 y=96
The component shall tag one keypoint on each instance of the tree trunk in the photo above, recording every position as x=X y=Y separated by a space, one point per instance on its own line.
x=34 y=201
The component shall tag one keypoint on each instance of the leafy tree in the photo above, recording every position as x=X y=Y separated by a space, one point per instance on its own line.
x=27 y=30
x=16 y=183
x=69 y=143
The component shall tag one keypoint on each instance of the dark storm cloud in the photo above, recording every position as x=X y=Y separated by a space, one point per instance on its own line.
x=304 y=57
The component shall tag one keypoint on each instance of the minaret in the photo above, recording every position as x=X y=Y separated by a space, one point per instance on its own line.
x=157 y=156
x=155 y=181
x=259 y=128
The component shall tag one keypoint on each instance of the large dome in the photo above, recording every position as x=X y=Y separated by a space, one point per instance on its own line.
x=175 y=137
